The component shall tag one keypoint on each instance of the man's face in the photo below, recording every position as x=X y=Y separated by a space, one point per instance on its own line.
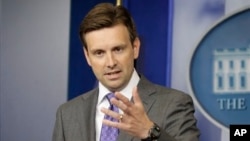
x=111 y=55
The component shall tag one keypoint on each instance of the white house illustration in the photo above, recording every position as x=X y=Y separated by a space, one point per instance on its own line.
x=231 y=70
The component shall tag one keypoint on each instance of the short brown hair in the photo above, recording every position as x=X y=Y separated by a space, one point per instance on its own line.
x=107 y=15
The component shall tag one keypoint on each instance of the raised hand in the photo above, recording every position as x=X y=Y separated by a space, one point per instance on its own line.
x=134 y=119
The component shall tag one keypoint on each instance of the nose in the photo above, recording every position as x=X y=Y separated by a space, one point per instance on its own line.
x=111 y=61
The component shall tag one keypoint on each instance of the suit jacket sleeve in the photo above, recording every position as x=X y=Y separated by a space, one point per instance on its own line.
x=180 y=123
x=58 y=129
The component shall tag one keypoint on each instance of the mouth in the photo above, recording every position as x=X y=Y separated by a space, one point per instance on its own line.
x=113 y=75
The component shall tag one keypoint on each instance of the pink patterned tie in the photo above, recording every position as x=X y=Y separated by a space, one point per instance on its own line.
x=109 y=133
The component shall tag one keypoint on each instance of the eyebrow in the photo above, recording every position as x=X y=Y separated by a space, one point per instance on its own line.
x=120 y=45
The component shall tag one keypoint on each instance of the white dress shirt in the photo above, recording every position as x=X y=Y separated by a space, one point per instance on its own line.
x=103 y=102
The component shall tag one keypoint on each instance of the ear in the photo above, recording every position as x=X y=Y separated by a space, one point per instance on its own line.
x=136 y=47
x=86 y=54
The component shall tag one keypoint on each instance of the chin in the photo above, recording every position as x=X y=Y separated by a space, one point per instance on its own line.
x=115 y=88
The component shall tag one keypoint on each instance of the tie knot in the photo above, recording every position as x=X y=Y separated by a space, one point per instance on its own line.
x=109 y=96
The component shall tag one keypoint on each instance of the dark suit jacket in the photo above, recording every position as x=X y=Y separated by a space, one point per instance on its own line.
x=172 y=110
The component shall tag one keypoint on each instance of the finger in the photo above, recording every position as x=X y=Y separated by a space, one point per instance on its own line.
x=119 y=125
x=110 y=123
x=122 y=98
x=119 y=104
x=123 y=102
x=110 y=113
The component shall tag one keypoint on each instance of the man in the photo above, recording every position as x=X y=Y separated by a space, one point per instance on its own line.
x=146 y=111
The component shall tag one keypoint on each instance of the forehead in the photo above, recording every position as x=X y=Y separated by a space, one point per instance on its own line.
x=110 y=36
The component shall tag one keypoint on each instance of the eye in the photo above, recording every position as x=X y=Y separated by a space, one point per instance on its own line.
x=99 y=53
x=118 y=49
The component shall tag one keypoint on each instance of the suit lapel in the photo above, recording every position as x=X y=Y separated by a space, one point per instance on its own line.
x=87 y=127
x=146 y=92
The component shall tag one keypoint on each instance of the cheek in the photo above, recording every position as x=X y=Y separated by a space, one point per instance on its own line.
x=129 y=60
x=97 y=69
x=96 y=63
